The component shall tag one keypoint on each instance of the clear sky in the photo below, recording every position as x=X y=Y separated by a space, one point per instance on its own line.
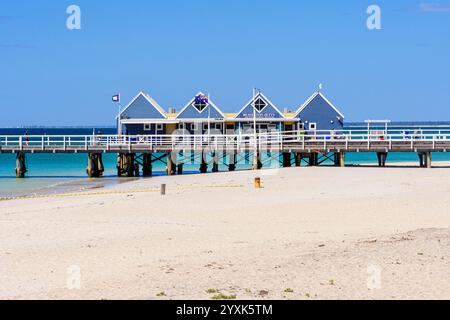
x=50 y=75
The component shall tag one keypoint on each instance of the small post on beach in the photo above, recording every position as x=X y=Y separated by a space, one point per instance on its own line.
x=21 y=167
x=163 y=189
x=257 y=183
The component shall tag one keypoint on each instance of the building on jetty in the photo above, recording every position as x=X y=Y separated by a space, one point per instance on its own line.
x=144 y=116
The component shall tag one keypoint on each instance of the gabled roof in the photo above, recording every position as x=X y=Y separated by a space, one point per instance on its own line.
x=310 y=99
x=149 y=99
x=190 y=105
x=253 y=99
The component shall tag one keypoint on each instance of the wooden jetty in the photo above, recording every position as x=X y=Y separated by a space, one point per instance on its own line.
x=138 y=153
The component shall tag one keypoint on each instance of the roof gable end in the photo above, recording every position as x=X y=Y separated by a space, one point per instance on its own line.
x=268 y=111
x=189 y=111
x=143 y=106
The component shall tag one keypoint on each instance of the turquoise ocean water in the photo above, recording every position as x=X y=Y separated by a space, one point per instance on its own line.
x=57 y=173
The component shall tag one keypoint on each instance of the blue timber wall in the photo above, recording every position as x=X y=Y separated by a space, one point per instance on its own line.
x=320 y=112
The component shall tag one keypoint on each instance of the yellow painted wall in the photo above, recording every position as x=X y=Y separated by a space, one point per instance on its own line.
x=171 y=127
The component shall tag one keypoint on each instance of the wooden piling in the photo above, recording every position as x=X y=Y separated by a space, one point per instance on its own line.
x=232 y=161
x=203 y=163
x=286 y=159
x=129 y=164
x=382 y=157
x=170 y=165
x=95 y=165
x=428 y=159
x=341 y=159
x=298 y=159
x=180 y=168
x=421 y=159
x=313 y=159
x=21 y=167
x=147 y=165
x=257 y=164
x=215 y=157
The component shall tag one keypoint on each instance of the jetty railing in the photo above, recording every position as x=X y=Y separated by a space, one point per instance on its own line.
x=301 y=140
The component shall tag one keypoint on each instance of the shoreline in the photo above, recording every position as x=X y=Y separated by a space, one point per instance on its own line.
x=85 y=184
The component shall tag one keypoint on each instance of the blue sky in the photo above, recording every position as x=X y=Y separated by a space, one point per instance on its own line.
x=54 y=76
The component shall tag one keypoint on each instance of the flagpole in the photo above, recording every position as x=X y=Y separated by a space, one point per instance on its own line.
x=254 y=121
x=119 y=129
x=209 y=120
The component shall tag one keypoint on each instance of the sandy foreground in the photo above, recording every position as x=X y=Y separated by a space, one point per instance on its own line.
x=310 y=233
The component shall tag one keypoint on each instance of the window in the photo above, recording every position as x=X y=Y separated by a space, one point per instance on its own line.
x=159 y=127
x=260 y=104
x=181 y=126
x=218 y=126
x=194 y=126
x=301 y=126
x=205 y=126
x=312 y=126
x=200 y=105
x=147 y=127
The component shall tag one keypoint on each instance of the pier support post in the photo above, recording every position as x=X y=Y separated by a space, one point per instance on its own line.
x=314 y=159
x=21 y=167
x=257 y=164
x=180 y=168
x=147 y=165
x=421 y=159
x=382 y=156
x=170 y=166
x=129 y=164
x=215 y=167
x=232 y=161
x=286 y=159
x=180 y=164
x=340 y=159
x=203 y=164
x=298 y=159
x=95 y=165
x=428 y=159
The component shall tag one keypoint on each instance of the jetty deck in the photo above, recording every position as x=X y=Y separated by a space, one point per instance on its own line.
x=311 y=145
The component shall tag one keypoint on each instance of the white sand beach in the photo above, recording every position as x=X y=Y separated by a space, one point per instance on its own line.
x=309 y=233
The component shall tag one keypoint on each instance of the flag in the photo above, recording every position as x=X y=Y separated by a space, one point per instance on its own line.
x=201 y=99
x=116 y=98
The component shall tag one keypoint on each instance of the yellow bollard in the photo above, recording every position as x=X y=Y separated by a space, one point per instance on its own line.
x=257 y=183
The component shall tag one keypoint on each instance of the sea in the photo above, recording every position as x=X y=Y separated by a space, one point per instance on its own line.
x=63 y=173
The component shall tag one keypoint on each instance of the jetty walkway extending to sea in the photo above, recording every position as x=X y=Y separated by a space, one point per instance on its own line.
x=136 y=154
